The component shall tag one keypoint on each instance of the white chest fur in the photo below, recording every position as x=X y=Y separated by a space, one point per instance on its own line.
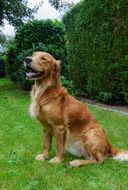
x=34 y=109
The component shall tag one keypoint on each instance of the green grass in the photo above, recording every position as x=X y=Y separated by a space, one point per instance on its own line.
x=21 y=141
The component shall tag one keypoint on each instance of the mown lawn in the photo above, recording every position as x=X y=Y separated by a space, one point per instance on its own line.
x=21 y=141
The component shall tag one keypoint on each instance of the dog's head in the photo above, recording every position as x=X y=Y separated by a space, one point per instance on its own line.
x=41 y=65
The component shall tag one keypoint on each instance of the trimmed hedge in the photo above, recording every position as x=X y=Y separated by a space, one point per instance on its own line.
x=97 y=48
x=37 y=35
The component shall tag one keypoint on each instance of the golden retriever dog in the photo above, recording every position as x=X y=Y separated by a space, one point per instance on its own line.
x=64 y=117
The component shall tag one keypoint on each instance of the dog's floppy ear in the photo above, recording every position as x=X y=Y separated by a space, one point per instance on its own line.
x=56 y=72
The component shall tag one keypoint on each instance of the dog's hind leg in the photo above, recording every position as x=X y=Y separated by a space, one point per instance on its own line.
x=93 y=160
x=95 y=156
x=77 y=163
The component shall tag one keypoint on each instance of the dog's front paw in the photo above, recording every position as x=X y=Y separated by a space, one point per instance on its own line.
x=56 y=160
x=41 y=157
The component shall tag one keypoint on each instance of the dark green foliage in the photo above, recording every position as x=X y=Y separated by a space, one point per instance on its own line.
x=15 y=11
x=58 y=4
x=68 y=84
x=2 y=69
x=98 y=49
x=43 y=35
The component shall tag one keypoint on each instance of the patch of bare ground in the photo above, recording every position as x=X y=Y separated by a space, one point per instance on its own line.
x=116 y=108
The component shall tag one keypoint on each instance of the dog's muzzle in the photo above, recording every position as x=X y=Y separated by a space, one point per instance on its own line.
x=31 y=73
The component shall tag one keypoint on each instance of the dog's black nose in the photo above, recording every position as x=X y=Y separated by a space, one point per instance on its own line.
x=28 y=60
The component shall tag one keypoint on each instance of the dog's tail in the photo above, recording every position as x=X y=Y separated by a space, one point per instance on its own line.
x=119 y=155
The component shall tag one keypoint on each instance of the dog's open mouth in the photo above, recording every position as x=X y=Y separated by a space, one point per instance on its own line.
x=31 y=73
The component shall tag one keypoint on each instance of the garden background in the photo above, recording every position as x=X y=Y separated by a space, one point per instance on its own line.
x=91 y=43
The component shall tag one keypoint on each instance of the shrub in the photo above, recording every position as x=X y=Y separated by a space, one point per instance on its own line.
x=68 y=84
x=98 y=49
x=37 y=35
x=2 y=69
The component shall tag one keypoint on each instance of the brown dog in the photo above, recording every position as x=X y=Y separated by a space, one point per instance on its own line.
x=64 y=117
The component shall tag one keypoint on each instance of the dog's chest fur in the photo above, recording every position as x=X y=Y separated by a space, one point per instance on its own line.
x=46 y=110
x=34 y=108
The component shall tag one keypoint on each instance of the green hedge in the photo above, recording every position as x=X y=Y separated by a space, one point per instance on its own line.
x=2 y=68
x=97 y=45
x=37 y=35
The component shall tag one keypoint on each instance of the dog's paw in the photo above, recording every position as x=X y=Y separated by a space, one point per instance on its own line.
x=74 y=163
x=41 y=157
x=56 y=160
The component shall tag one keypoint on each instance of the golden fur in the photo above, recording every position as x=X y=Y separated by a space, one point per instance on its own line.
x=63 y=116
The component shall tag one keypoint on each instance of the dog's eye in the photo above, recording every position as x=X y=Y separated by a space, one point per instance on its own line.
x=43 y=58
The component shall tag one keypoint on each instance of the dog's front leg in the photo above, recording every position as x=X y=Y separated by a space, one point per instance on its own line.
x=47 y=147
x=60 y=135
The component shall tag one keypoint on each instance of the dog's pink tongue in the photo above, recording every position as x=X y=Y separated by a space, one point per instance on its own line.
x=30 y=74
